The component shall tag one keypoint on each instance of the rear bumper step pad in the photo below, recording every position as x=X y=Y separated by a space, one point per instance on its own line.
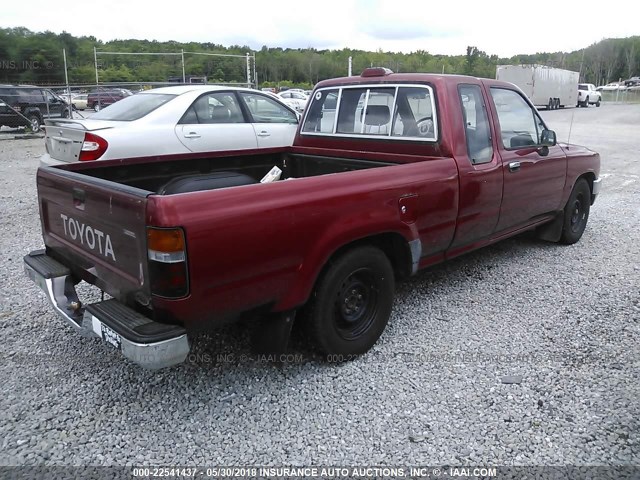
x=150 y=344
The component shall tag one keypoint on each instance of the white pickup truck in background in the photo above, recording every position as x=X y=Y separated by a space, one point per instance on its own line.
x=588 y=95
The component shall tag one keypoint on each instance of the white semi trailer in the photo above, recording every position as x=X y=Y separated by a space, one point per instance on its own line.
x=545 y=86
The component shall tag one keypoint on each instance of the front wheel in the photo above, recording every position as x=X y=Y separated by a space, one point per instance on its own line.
x=352 y=302
x=96 y=107
x=576 y=213
x=598 y=103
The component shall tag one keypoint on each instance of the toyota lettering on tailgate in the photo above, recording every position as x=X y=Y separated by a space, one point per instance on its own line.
x=91 y=237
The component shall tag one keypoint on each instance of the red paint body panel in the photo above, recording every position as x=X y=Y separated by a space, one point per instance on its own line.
x=295 y=226
x=265 y=244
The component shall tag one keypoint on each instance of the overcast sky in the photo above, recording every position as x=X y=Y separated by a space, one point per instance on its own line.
x=443 y=27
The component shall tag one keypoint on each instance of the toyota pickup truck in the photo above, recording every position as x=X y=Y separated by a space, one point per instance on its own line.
x=388 y=174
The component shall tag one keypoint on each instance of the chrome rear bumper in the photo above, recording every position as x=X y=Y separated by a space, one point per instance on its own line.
x=150 y=344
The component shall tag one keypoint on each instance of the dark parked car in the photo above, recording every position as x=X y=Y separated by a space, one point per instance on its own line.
x=102 y=98
x=632 y=82
x=22 y=105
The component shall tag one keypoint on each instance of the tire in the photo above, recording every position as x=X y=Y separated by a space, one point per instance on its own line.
x=550 y=104
x=35 y=122
x=351 y=304
x=96 y=107
x=576 y=213
x=65 y=113
x=586 y=102
x=598 y=103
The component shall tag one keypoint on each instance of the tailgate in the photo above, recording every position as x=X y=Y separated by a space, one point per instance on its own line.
x=97 y=229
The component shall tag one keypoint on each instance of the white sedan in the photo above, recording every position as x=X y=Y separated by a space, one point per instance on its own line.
x=173 y=120
x=295 y=99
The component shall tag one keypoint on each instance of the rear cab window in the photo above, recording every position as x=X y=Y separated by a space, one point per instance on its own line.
x=401 y=112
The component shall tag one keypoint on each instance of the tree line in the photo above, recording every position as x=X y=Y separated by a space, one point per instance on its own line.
x=36 y=58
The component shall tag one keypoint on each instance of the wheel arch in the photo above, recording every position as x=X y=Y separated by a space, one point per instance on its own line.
x=393 y=245
x=590 y=177
x=403 y=255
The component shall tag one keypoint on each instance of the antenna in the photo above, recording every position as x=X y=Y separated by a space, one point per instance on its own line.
x=574 y=112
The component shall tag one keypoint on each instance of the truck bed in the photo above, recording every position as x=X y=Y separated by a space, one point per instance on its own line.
x=153 y=177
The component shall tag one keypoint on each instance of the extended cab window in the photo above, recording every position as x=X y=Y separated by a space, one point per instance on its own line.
x=391 y=111
x=476 y=124
x=520 y=125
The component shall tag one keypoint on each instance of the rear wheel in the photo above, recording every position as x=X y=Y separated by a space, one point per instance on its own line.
x=598 y=103
x=550 y=104
x=352 y=303
x=586 y=102
x=576 y=212
x=34 y=122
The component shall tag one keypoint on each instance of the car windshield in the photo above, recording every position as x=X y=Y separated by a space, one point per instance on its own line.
x=133 y=107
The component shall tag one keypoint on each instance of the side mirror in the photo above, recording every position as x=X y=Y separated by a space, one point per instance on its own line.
x=548 y=138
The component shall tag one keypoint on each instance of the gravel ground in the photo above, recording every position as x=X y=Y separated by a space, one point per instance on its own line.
x=561 y=324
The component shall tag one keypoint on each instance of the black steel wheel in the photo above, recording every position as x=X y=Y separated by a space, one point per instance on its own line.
x=351 y=303
x=576 y=212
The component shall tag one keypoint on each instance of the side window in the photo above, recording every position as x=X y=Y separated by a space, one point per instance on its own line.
x=476 y=124
x=322 y=113
x=218 y=107
x=414 y=114
x=28 y=95
x=266 y=110
x=519 y=125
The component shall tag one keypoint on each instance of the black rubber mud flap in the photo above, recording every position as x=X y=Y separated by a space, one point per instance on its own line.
x=271 y=333
x=552 y=231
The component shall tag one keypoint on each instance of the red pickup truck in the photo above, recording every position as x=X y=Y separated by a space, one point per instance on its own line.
x=389 y=173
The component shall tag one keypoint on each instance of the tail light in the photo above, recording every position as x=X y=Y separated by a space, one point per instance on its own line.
x=167 y=262
x=93 y=147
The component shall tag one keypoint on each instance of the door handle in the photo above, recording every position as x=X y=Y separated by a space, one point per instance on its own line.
x=192 y=135
x=514 y=166
x=264 y=134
